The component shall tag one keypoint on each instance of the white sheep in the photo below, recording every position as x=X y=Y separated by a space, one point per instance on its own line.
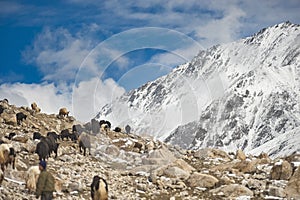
x=31 y=178
x=4 y=155
x=104 y=128
x=7 y=156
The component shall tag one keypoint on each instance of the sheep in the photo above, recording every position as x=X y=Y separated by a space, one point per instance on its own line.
x=87 y=126
x=127 y=129
x=42 y=149
x=95 y=126
x=45 y=147
x=64 y=134
x=85 y=143
x=53 y=146
x=10 y=136
x=11 y=158
x=63 y=112
x=35 y=108
x=99 y=189
x=20 y=116
x=77 y=128
x=1 y=176
x=105 y=122
x=4 y=101
x=73 y=136
x=1 y=109
x=31 y=177
x=104 y=126
x=36 y=136
x=7 y=156
x=108 y=124
x=53 y=134
x=117 y=129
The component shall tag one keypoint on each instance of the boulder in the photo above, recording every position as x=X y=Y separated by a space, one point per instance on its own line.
x=20 y=138
x=212 y=153
x=30 y=146
x=150 y=146
x=281 y=171
x=255 y=184
x=232 y=191
x=202 y=180
x=246 y=166
x=9 y=119
x=112 y=150
x=161 y=156
x=183 y=165
x=176 y=172
x=263 y=156
x=276 y=191
x=293 y=186
x=240 y=155
x=20 y=165
x=138 y=146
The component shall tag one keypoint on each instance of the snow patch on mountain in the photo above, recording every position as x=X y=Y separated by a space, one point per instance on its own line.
x=238 y=95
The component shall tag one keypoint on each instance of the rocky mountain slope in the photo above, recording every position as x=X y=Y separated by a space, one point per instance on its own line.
x=141 y=168
x=262 y=100
x=238 y=95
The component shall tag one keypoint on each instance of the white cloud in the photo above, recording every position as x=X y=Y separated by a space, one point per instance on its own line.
x=261 y=14
x=176 y=57
x=83 y=101
x=221 y=30
x=212 y=21
x=48 y=96
x=90 y=96
x=58 y=54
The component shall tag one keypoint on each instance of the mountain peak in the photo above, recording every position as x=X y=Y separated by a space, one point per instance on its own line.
x=222 y=96
x=272 y=33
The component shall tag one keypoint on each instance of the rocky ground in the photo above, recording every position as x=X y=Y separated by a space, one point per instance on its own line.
x=142 y=168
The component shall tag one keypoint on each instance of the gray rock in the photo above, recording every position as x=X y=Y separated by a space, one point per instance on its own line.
x=112 y=150
x=281 y=171
x=240 y=155
x=293 y=186
x=202 y=180
x=176 y=172
x=276 y=191
x=233 y=190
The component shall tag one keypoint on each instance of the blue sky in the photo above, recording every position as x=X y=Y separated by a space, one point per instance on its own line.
x=60 y=52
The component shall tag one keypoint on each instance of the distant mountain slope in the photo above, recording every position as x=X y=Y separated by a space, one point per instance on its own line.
x=238 y=95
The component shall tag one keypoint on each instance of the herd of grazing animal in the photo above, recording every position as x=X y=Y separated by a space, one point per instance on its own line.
x=47 y=145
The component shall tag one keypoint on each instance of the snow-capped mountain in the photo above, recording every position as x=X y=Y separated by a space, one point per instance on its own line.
x=243 y=94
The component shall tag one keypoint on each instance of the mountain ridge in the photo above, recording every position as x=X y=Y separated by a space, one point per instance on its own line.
x=238 y=75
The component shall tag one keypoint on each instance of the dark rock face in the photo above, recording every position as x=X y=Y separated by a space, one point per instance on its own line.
x=223 y=124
